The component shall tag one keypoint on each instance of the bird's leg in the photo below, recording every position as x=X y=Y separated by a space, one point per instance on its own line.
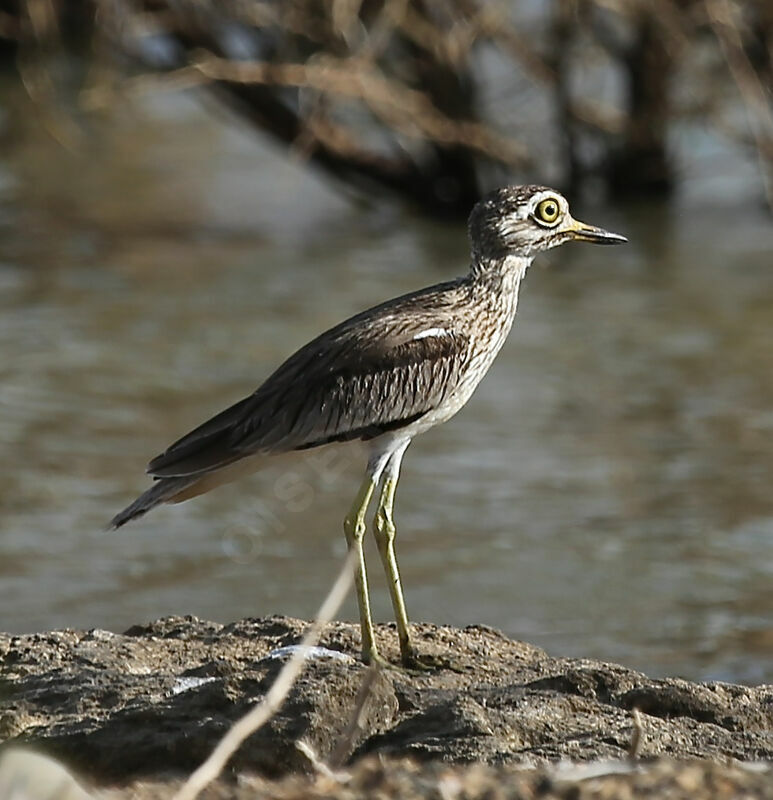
x=384 y=530
x=354 y=529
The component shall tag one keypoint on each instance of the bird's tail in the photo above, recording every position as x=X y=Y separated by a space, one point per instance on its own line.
x=161 y=491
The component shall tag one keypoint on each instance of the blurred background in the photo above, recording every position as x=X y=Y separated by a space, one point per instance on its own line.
x=191 y=189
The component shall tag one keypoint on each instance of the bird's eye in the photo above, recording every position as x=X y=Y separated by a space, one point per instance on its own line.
x=548 y=210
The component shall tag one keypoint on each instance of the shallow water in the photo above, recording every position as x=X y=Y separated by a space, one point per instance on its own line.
x=606 y=493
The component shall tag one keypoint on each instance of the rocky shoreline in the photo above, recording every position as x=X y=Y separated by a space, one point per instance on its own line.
x=138 y=711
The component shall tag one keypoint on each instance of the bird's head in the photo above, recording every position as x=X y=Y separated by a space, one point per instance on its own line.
x=525 y=220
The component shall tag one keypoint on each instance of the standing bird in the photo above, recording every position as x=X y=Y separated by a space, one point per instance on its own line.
x=383 y=377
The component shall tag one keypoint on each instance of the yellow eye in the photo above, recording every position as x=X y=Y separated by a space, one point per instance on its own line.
x=548 y=210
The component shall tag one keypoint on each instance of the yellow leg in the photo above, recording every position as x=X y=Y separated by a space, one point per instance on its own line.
x=384 y=529
x=354 y=529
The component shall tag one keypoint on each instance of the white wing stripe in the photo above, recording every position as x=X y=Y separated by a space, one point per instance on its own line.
x=432 y=332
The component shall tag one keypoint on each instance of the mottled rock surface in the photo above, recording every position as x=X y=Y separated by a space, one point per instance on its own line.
x=149 y=705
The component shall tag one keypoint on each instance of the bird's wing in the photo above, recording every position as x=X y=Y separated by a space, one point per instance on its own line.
x=367 y=376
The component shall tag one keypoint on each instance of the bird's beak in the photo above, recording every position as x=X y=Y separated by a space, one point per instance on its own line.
x=581 y=232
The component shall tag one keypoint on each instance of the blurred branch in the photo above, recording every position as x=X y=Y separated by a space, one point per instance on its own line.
x=39 y=40
x=406 y=110
x=590 y=114
x=386 y=93
x=10 y=27
x=756 y=99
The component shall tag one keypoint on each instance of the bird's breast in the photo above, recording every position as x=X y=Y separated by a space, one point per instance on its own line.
x=488 y=325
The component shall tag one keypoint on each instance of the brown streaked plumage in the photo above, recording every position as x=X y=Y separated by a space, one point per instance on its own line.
x=382 y=377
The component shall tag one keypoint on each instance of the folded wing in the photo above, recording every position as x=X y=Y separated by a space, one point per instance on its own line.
x=353 y=382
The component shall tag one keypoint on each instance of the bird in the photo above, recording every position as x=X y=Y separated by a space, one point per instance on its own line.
x=381 y=377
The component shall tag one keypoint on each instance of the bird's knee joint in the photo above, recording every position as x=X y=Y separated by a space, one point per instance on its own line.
x=354 y=527
x=385 y=527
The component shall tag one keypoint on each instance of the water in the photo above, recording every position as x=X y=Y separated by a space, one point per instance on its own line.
x=606 y=493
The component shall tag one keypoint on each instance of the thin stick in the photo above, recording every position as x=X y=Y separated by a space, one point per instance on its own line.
x=320 y=767
x=344 y=746
x=275 y=696
x=636 y=736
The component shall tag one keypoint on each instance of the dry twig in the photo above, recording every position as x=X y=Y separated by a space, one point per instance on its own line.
x=262 y=713
x=636 y=736
x=344 y=746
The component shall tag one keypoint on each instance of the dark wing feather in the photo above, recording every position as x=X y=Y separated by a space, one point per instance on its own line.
x=362 y=378
x=206 y=438
x=359 y=397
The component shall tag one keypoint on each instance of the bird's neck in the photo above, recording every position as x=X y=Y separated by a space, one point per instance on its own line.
x=495 y=284
x=499 y=280
x=497 y=270
x=493 y=294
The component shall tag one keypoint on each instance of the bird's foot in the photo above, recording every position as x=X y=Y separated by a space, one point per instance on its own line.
x=412 y=663
x=416 y=664
x=374 y=659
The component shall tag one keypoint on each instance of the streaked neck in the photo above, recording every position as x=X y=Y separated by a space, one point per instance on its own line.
x=496 y=269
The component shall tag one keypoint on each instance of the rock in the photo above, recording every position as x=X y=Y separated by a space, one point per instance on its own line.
x=29 y=776
x=155 y=700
